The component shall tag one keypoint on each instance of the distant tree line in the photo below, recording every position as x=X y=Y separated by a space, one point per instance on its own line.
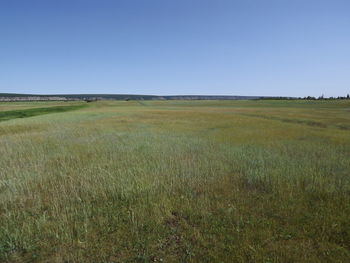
x=347 y=97
x=127 y=97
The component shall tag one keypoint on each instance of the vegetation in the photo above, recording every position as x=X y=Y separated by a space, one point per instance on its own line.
x=307 y=98
x=25 y=113
x=127 y=97
x=177 y=181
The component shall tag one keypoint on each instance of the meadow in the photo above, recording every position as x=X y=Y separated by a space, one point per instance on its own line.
x=175 y=181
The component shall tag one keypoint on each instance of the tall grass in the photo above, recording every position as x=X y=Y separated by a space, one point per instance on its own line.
x=124 y=182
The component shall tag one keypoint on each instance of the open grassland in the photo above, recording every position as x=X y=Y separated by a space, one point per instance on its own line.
x=25 y=113
x=10 y=106
x=177 y=181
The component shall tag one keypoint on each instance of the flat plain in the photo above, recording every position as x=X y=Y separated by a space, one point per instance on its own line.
x=175 y=181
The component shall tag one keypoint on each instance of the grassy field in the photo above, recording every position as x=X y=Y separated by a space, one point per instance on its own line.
x=10 y=106
x=26 y=113
x=176 y=181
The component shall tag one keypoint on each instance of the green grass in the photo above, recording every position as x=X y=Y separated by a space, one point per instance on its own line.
x=25 y=113
x=177 y=181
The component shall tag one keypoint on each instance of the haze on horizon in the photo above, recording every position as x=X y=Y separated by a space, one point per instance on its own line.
x=159 y=47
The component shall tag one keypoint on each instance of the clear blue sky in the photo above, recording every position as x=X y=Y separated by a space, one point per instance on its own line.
x=238 y=47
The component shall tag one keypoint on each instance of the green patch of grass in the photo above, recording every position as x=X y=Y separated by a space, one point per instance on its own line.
x=25 y=113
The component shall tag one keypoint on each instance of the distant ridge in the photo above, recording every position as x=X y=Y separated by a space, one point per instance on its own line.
x=91 y=97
